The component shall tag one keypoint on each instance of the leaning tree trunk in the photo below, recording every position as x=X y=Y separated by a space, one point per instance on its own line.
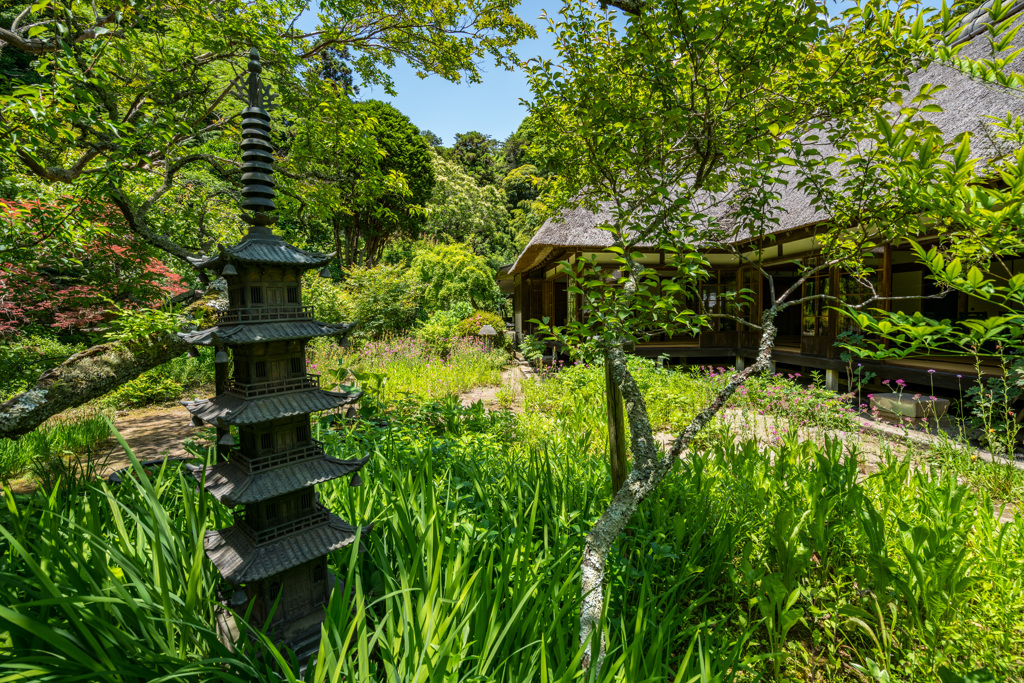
x=648 y=471
x=95 y=372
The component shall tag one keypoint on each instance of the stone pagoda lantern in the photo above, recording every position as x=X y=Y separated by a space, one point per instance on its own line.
x=276 y=551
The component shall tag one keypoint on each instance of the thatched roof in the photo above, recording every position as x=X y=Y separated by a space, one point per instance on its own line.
x=967 y=103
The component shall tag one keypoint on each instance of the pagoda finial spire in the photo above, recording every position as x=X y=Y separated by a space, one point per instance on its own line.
x=257 y=151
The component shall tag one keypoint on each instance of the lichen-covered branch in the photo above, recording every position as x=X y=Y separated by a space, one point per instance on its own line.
x=648 y=472
x=94 y=372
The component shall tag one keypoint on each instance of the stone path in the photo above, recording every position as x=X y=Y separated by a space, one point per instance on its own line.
x=511 y=381
x=156 y=432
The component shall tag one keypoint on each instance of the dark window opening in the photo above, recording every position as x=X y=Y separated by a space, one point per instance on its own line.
x=307 y=500
x=718 y=298
x=267 y=441
x=319 y=573
x=296 y=366
x=302 y=433
x=293 y=295
x=261 y=368
x=256 y=295
x=270 y=511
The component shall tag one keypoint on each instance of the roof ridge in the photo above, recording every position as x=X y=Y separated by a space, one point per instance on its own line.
x=975 y=22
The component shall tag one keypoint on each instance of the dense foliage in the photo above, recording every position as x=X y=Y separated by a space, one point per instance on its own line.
x=479 y=521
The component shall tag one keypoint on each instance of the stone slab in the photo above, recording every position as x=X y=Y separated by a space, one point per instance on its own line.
x=905 y=405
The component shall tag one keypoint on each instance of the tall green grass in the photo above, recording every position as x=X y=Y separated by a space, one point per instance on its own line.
x=63 y=436
x=405 y=367
x=747 y=564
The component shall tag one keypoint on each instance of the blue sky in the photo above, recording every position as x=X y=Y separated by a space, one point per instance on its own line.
x=493 y=106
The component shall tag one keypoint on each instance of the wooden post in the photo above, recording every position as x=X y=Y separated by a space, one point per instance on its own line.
x=616 y=429
x=832 y=380
x=887 y=276
x=517 y=308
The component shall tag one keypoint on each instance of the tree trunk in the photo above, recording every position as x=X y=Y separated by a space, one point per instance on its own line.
x=339 y=249
x=94 y=372
x=648 y=471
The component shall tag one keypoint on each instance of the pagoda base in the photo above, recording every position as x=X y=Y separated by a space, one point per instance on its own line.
x=301 y=635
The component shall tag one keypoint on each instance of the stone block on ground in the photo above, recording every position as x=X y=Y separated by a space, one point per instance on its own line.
x=899 y=407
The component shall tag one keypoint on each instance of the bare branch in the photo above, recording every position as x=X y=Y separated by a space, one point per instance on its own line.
x=38 y=46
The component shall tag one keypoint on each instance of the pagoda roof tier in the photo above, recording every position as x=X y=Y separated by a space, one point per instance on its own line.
x=262 y=247
x=233 y=410
x=258 y=332
x=241 y=560
x=231 y=484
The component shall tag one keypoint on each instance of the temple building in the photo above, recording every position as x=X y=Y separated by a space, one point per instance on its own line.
x=541 y=287
x=275 y=554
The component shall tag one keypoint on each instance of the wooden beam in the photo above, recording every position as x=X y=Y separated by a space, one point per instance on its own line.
x=887 y=276
x=517 y=307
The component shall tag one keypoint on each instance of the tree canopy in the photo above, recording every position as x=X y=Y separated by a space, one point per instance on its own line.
x=133 y=96
x=688 y=126
x=362 y=170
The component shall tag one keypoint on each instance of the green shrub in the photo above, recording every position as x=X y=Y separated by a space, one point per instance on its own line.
x=470 y=327
x=163 y=383
x=133 y=324
x=330 y=298
x=382 y=301
x=145 y=389
x=452 y=273
x=188 y=371
x=22 y=360
x=439 y=331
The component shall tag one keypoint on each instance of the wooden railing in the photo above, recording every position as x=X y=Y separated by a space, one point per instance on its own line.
x=318 y=515
x=243 y=315
x=264 y=461
x=274 y=386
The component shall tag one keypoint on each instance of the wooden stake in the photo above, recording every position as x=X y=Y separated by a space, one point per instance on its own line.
x=616 y=430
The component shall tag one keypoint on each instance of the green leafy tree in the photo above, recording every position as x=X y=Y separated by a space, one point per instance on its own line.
x=521 y=185
x=452 y=274
x=525 y=192
x=517 y=149
x=432 y=138
x=132 y=104
x=460 y=210
x=364 y=170
x=478 y=154
x=131 y=94
x=686 y=127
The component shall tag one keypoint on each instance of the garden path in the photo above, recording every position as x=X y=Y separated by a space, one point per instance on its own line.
x=497 y=396
x=870 y=439
x=156 y=432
